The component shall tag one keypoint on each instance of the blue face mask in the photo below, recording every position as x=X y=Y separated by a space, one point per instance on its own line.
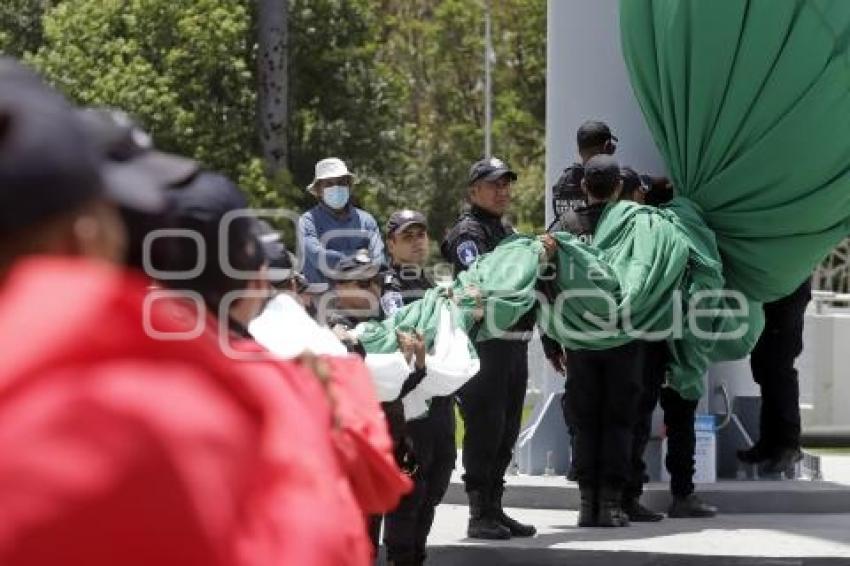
x=336 y=197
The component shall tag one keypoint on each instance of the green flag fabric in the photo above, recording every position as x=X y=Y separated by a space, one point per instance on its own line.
x=749 y=103
x=651 y=274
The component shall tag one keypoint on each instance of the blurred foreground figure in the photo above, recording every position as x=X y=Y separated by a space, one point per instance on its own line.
x=119 y=442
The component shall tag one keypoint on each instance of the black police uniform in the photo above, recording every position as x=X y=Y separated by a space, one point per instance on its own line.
x=432 y=436
x=617 y=369
x=566 y=193
x=491 y=402
x=601 y=399
x=679 y=414
x=772 y=363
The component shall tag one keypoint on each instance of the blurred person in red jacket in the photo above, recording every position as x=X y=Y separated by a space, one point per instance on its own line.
x=118 y=446
x=235 y=290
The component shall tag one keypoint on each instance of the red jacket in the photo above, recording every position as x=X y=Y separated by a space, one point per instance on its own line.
x=118 y=448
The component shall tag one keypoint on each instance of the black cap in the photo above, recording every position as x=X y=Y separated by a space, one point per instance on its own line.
x=135 y=174
x=47 y=163
x=601 y=171
x=632 y=181
x=402 y=219
x=273 y=247
x=593 y=133
x=358 y=267
x=490 y=169
x=205 y=204
x=279 y=260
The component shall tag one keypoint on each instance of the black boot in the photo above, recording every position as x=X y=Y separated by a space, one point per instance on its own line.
x=784 y=462
x=482 y=523
x=755 y=455
x=690 y=507
x=637 y=513
x=516 y=528
x=611 y=513
x=589 y=507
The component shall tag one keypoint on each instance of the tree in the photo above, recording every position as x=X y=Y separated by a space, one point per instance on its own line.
x=394 y=87
x=184 y=70
x=20 y=25
x=273 y=82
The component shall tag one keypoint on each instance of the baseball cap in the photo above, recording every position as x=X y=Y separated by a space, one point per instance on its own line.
x=402 y=219
x=330 y=168
x=601 y=171
x=281 y=267
x=273 y=247
x=490 y=169
x=202 y=205
x=47 y=163
x=135 y=173
x=593 y=133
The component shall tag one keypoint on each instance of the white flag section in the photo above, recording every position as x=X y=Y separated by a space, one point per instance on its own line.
x=388 y=374
x=452 y=362
x=286 y=330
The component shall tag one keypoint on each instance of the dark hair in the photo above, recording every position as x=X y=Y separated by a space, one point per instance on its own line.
x=660 y=193
x=601 y=176
x=600 y=191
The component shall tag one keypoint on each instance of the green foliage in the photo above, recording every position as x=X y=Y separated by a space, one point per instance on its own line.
x=439 y=45
x=20 y=25
x=346 y=101
x=182 y=69
x=394 y=87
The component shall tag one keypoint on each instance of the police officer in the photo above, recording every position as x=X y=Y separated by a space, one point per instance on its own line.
x=679 y=413
x=357 y=284
x=772 y=363
x=491 y=402
x=593 y=138
x=433 y=436
x=603 y=386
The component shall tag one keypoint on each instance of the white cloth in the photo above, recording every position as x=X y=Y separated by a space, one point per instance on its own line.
x=285 y=329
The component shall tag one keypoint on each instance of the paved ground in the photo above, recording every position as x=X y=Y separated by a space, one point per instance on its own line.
x=730 y=540
x=739 y=539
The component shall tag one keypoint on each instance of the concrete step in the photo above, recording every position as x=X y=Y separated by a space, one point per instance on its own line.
x=734 y=496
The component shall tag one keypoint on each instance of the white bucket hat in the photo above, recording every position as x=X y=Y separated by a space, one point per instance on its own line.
x=330 y=168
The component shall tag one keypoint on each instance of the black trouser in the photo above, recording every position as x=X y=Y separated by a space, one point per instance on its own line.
x=772 y=363
x=406 y=529
x=679 y=417
x=603 y=390
x=491 y=406
x=402 y=448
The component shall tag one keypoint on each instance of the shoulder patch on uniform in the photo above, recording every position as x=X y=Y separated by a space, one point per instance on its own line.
x=391 y=301
x=467 y=252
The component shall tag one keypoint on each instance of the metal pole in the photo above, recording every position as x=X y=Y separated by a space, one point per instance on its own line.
x=488 y=82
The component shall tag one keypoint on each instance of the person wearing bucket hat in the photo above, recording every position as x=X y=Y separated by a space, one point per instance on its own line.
x=335 y=229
